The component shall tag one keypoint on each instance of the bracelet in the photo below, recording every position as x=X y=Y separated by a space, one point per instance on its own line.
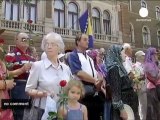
x=5 y=84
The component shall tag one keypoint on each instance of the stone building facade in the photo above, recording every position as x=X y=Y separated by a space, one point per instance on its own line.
x=61 y=17
x=113 y=21
x=140 y=32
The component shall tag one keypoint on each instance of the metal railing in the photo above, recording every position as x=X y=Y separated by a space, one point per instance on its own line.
x=65 y=32
x=21 y=26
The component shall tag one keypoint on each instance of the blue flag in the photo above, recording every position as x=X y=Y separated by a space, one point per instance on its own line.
x=86 y=27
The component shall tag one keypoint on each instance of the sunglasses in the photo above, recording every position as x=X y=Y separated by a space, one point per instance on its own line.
x=25 y=39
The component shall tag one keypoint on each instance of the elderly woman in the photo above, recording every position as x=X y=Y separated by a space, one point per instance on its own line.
x=153 y=76
x=46 y=74
x=121 y=85
x=140 y=83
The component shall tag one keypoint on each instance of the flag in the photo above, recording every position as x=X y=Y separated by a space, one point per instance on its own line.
x=86 y=27
x=64 y=1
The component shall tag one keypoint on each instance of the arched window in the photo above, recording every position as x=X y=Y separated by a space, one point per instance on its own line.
x=158 y=13
x=132 y=34
x=30 y=10
x=143 y=4
x=146 y=36
x=158 y=37
x=12 y=10
x=96 y=20
x=107 y=22
x=59 y=13
x=73 y=16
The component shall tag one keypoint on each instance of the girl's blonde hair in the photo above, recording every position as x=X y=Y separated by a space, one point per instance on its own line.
x=76 y=83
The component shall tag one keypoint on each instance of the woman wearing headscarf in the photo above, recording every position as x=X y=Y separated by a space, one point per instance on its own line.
x=121 y=85
x=100 y=67
x=153 y=78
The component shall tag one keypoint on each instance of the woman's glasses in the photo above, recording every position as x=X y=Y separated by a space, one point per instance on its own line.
x=50 y=44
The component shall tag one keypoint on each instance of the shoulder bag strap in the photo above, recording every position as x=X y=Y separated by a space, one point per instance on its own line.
x=91 y=67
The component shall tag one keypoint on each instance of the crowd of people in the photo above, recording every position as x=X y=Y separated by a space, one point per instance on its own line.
x=102 y=84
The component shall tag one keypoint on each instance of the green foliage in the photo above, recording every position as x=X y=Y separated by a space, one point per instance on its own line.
x=52 y=115
x=2 y=53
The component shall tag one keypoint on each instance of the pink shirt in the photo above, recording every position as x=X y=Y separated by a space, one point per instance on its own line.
x=151 y=85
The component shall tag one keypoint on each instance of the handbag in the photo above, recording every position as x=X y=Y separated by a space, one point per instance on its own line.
x=89 y=89
x=34 y=113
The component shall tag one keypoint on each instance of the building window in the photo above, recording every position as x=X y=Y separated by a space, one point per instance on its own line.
x=12 y=10
x=73 y=16
x=143 y=4
x=11 y=47
x=146 y=36
x=96 y=20
x=158 y=37
x=132 y=34
x=59 y=14
x=158 y=13
x=29 y=11
x=107 y=22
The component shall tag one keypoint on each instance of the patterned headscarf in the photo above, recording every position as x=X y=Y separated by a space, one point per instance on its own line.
x=98 y=66
x=150 y=62
x=113 y=58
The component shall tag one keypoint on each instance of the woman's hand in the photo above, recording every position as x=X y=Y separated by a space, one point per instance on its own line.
x=103 y=87
x=37 y=93
x=98 y=84
x=42 y=94
x=10 y=84
x=123 y=115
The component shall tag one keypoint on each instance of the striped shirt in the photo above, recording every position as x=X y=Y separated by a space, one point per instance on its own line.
x=18 y=58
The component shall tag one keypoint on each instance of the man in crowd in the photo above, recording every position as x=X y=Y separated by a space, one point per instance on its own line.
x=82 y=67
x=141 y=84
x=128 y=60
x=18 y=57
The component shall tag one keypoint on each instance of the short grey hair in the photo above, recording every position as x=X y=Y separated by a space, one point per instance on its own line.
x=56 y=38
x=126 y=46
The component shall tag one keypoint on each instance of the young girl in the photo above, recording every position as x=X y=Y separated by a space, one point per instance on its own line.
x=73 y=110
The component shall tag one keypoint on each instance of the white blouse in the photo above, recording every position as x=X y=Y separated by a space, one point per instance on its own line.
x=44 y=76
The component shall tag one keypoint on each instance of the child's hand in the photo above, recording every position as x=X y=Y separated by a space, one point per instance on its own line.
x=123 y=115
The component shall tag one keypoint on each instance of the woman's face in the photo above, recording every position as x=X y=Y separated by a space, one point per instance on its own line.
x=51 y=48
x=98 y=58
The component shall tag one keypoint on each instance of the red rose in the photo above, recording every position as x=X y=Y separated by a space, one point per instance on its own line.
x=1 y=40
x=29 y=21
x=63 y=83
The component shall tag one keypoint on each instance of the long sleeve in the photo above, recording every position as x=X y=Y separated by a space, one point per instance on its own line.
x=33 y=77
x=115 y=82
